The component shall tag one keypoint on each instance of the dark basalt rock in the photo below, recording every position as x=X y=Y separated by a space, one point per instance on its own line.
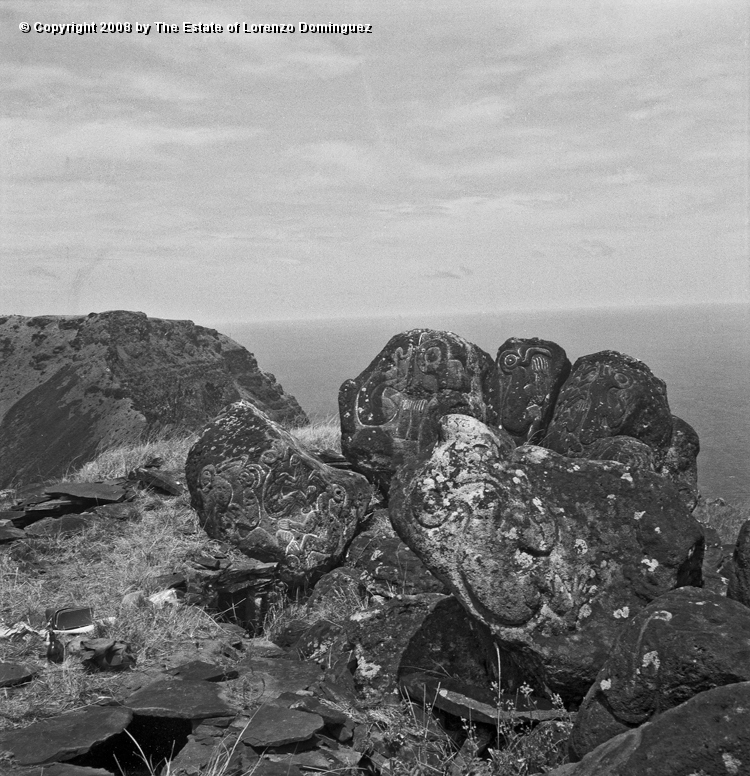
x=256 y=488
x=66 y=736
x=389 y=412
x=554 y=554
x=683 y=643
x=71 y=385
x=609 y=394
x=530 y=373
x=706 y=735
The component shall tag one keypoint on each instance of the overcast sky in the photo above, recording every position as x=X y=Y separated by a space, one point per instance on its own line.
x=464 y=156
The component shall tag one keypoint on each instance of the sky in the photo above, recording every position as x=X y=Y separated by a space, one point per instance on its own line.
x=464 y=156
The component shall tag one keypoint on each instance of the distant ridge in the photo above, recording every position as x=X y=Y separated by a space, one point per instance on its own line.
x=70 y=385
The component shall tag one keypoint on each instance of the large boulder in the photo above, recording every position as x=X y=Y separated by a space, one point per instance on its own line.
x=389 y=412
x=253 y=486
x=709 y=735
x=554 y=554
x=609 y=394
x=70 y=385
x=529 y=373
x=683 y=643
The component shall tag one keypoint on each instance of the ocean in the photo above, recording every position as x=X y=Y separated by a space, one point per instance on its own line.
x=702 y=352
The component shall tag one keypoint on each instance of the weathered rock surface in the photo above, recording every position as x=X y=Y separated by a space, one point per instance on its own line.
x=253 y=486
x=683 y=643
x=389 y=412
x=554 y=554
x=530 y=373
x=681 y=461
x=178 y=700
x=66 y=736
x=12 y=674
x=609 y=394
x=739 y=580
x=71 y=384
x=276 y=726
x=707 y=735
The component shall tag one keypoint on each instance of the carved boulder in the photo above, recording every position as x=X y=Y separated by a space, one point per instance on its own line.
x=554 y=554
x=390 y=412
x=609 y=394
x=529 y=373
x=253 y=486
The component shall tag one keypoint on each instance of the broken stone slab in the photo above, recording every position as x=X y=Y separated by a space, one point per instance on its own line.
x=159 y=481
x=461 y=700
x=12 y=674
x=88 y=491
x=211 y=755
x=276 y=726
x=65 y=736
x=179 y=700
x=200 y=671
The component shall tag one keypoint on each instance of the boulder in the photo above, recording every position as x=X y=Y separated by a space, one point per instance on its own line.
x=739 y=580
x=709 y=735
x=554 y=554
x=389 y=412
x=685 y=642
x=254 y=487
x=72 y=385
x=529 y=373
x=609 y=394
x=681 y=461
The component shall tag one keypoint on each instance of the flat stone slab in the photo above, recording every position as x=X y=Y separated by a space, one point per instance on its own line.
x=179 y=700
x=275 y=726
x=267 y=678
x=12 y=674
x=66 y=736
x=10 y=534
x=198 y=671
x=65 y=769
x=93 y=491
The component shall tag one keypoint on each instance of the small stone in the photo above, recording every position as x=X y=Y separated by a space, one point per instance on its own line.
x=133 y=600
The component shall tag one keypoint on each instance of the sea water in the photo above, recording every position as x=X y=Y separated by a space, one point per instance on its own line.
x=702 y=352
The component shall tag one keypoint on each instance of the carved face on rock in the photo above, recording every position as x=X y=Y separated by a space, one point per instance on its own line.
x=529 y=375
x=253 y=486
x=550 y=552
x=609 y=394
x=390 y=411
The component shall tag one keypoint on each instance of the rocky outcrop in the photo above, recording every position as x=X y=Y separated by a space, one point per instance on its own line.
x=739 y=581
x=70 y=385
x=685 y=642
x=554 y=554
x=253 y=486
x=389 y=413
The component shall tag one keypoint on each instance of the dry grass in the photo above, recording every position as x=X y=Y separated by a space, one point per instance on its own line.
x=322 y=434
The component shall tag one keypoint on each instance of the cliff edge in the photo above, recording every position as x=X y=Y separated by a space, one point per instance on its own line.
x=70 y=385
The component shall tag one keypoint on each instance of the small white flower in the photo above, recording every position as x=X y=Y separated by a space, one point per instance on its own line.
x=605 y=684
x=650 y=563
x=639 y=515
x=621 y=614
x=651 y=659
